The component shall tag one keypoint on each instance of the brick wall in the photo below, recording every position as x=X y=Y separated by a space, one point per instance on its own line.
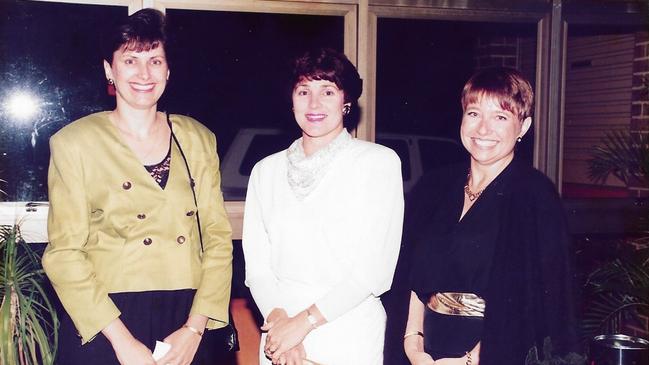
x=640 y=99
x=640 y=94
x=497 y=51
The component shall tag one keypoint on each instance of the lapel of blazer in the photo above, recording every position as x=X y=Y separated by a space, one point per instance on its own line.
x=137 y=173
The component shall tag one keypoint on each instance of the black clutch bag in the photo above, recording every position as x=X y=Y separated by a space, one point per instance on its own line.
x=227 y=337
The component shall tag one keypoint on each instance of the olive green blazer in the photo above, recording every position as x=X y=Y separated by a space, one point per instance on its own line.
x=113 y=229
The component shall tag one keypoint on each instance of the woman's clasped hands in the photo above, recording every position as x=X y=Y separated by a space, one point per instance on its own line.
x=284 y=337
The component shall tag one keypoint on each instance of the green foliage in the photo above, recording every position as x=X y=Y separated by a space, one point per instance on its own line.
x=551 y=359
x=28 y=321
x=623 y=155
x=617 y=292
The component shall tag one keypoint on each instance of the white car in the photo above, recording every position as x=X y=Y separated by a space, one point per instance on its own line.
x=418 y=154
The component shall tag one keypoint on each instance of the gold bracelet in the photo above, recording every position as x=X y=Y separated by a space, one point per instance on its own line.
x=192 y=329
x=413 y=333
x=468 y=358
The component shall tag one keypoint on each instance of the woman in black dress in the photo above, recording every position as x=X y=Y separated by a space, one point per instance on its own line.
x=490 y=274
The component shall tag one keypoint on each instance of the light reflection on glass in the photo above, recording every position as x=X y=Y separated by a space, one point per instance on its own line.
x=52 y=74
x=22 y=105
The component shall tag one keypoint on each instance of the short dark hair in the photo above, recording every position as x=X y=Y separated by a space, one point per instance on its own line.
x=507 y=85
x=142 y=31
x=331 y=65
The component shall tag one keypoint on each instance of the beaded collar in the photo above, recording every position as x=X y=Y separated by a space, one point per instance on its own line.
x=305 y=172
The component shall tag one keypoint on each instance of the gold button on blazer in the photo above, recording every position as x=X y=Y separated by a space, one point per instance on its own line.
x=113 y=229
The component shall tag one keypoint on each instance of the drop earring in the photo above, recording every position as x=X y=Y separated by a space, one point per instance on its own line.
x=110 y=87
x=346 y=109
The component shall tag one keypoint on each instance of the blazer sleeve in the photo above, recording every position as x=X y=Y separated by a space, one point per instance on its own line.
x=65 y=261
x=256 y=248
x=213 y=295
x=370 y=240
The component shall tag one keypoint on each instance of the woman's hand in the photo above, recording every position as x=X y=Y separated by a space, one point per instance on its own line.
x=284 y=334
x=474 y=355
x=275 y=315
x=294 y=356
x=421 y=358
x=184 y=342
x=128 y=350
x=133 y=352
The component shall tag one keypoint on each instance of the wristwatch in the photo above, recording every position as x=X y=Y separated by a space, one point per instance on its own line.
x=312 y=319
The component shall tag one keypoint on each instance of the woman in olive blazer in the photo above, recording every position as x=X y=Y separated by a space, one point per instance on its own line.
x=125 y=256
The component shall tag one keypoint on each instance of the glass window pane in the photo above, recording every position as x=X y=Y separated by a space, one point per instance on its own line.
x=607 y=73
x=231 y=71
x=438 y=151
x=51 y=71
x=422 y=66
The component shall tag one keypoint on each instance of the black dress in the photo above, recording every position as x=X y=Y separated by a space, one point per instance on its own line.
x=455 y=255
x=149 y=316
x=511 y=248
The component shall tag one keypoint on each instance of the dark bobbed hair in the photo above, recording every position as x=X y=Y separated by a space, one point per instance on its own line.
x=506 y=85
x=142 y=31
x=331 y=65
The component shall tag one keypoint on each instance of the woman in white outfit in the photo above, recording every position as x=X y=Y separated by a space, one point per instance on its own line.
x=322 y=227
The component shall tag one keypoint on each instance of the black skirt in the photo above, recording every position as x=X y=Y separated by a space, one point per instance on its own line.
x=150 y=316
x=449 y=335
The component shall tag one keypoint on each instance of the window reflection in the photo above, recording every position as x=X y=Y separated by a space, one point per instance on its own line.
x=51 y=74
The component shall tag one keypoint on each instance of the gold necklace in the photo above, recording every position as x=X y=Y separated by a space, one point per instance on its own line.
x=472 y=196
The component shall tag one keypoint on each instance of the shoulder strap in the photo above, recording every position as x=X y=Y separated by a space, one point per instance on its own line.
x=191 y=179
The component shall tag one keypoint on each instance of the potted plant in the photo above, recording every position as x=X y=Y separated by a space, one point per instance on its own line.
x=550 y=358
x=618 y=291
x=624 y=155
x=28 y=321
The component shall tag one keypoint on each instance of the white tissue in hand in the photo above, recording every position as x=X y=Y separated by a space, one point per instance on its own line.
x=161 y=348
